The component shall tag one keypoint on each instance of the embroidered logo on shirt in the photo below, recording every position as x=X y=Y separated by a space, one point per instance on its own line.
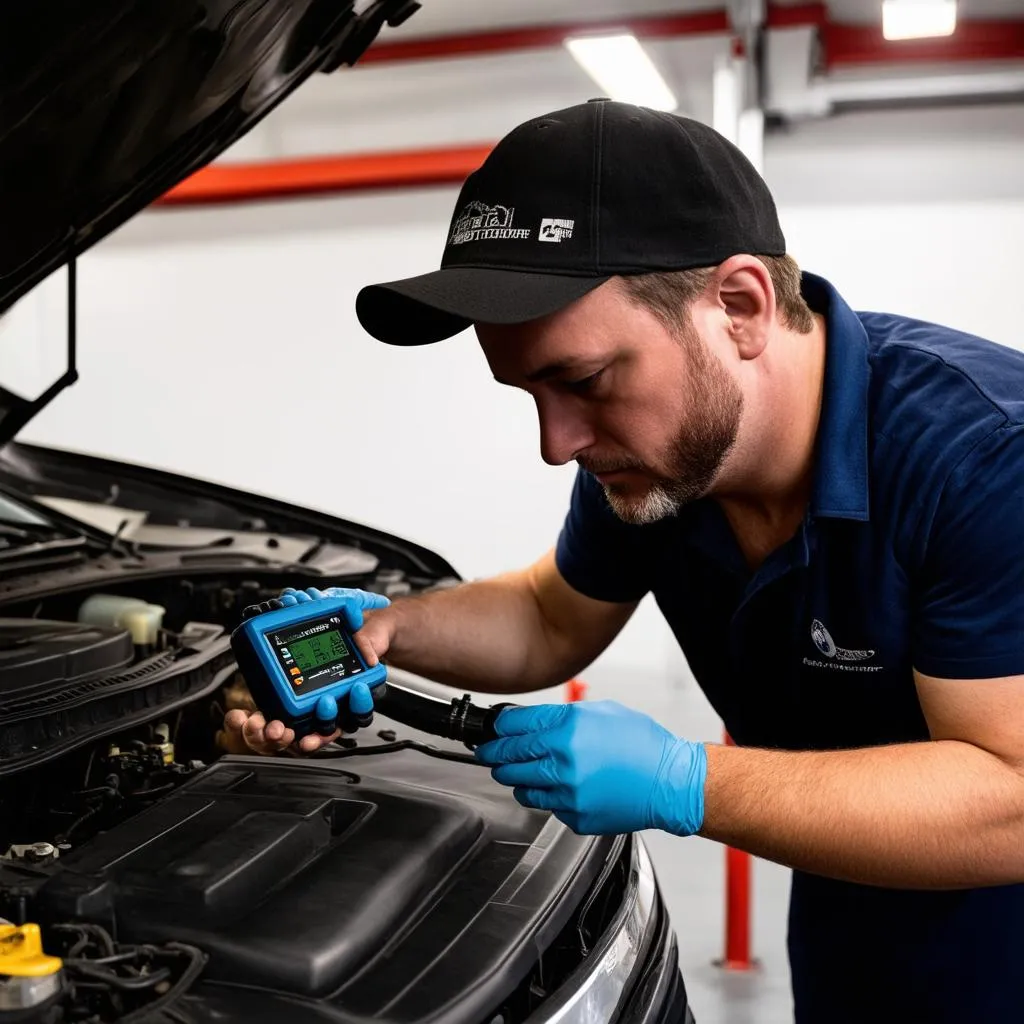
x=839 y=657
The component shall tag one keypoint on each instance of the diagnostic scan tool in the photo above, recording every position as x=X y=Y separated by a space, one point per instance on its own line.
x=300 y=663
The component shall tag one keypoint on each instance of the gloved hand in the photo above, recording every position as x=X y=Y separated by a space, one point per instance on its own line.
x=356 y=601
x=247 y=732
x=601 y=767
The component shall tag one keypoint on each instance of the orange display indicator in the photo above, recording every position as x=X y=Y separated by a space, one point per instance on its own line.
x=298 y=680
x=296 y=671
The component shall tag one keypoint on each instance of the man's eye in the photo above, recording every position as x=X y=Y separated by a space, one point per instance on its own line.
x=584 y=384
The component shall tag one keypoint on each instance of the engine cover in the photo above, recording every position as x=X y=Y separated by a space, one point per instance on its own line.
x=396 y=886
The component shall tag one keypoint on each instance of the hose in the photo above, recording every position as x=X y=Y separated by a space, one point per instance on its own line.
x=458 y=719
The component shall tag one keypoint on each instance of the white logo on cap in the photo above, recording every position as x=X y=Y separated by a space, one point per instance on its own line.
x=554 y=230
x=480 y=222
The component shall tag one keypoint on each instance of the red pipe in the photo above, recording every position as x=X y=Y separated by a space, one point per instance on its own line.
x=738 y=870
x=231 y=182
x=843 y=45
x=475 y=44
x=796 y=15
x=575 y=690
x=973 y=40
x=737 y=911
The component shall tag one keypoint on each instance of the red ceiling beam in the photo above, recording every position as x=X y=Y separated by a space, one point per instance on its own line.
x=477 y=44
x=842 y=44
x=276 y=179
x=973 y=40
x=796 y=15
x=849 y=45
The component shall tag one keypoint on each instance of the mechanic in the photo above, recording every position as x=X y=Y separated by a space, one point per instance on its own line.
x=827 y=508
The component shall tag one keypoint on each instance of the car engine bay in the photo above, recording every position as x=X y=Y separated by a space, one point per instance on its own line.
x=177 y=881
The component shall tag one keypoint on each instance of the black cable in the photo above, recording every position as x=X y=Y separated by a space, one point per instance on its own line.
x=197 y=962
x=78 y=823
x=88 y=974
x=96 y=931
x=389 y=748
x=119 y=958
x=139 y=984
x=149 y=794
x=95 y=791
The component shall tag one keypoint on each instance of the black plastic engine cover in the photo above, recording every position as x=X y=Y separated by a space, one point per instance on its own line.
x=36 y=654
x=316 y=881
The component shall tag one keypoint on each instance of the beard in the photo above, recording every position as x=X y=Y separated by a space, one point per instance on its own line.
x=705 y=436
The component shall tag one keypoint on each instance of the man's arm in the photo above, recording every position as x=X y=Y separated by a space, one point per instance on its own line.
x=948 y=812
x=520 y=631
x=517 y=632
x=945 y=813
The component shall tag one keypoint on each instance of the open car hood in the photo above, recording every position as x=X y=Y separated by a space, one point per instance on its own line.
x=106 y=105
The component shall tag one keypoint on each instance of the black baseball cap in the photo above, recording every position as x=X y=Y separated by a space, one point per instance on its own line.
x=570 y=199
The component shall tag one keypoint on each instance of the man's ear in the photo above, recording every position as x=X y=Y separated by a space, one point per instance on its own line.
x=744 y=291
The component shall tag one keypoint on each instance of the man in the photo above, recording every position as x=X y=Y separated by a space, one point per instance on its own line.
x=827 y=508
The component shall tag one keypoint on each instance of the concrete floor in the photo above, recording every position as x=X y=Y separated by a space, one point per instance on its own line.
x=691 y=873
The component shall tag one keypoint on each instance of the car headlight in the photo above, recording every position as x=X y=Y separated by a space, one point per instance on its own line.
x=594 y=991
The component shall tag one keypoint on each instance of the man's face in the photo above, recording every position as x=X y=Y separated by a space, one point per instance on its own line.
x=651 y=412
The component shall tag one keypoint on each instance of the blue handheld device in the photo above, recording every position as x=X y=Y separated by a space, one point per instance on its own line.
x=300 y=663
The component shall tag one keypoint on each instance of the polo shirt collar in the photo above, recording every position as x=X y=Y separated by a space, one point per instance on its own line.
x=840 y=487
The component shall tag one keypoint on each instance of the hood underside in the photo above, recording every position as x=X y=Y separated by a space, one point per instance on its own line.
x=106 y=105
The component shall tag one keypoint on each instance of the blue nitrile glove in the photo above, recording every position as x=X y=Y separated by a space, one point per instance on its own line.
x=601 y=767
x=356 y=713
x=356 y=601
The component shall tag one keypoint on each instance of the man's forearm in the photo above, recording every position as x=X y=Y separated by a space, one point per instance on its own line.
x=932 y=815
x=487 y=635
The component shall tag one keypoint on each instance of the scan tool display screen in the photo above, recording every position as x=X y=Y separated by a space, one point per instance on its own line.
x=315 y=654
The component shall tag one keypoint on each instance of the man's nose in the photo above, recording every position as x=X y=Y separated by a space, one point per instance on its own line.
x=563 y=434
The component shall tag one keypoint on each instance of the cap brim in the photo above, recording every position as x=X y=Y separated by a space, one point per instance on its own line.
x=431 y=307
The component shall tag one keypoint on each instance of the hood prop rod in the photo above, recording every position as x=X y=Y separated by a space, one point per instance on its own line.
x=16 y=411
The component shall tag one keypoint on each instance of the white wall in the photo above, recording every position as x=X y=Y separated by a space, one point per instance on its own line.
x=917 y=212
x=242 y=321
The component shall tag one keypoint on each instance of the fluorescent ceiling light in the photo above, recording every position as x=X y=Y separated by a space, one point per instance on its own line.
x=918 y=19
x=623 y=70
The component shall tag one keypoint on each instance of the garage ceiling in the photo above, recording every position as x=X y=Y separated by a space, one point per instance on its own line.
x=447 y=17
x=458 y=74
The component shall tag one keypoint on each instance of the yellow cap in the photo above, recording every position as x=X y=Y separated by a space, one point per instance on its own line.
x=21 y=953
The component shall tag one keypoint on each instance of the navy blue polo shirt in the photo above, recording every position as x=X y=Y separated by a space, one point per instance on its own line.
x=910 y=555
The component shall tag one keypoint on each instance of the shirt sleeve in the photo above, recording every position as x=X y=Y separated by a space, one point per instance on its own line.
x=597 y=553
x=969 y=614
